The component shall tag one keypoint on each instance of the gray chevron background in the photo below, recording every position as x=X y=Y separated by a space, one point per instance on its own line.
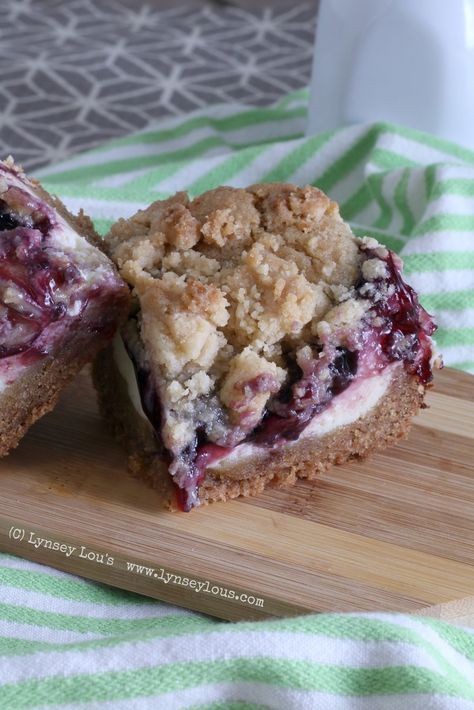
x=74 y=73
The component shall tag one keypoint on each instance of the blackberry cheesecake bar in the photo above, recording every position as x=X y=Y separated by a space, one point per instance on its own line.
x=265 y=343
x=61 y=300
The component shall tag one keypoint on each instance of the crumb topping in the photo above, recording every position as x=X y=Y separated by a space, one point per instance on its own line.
x=180 y=323
x=227 y=282
x=249 y=382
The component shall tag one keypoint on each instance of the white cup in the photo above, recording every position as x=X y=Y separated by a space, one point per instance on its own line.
x=404 y=61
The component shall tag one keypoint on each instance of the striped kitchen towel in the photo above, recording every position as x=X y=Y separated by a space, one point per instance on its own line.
x=69 y=643
x=413 y=192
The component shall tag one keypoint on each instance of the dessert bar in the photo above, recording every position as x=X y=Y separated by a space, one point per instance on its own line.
x=265 y=343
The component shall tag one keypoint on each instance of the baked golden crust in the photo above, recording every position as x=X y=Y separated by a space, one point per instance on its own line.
x=37 y=391
x=388 y=422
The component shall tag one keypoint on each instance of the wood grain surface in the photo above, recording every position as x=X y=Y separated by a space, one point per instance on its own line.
x=392 y=533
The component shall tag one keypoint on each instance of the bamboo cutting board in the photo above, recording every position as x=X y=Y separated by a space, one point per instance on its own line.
x=392 y=533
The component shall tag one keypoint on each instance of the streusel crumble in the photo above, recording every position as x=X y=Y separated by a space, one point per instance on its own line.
x=264 y=338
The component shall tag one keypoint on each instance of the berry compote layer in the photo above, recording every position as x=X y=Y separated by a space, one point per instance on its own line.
x=53 y=283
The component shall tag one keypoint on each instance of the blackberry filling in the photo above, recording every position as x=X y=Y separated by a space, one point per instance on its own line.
x=405 y=330
x=8 y=218
x=37 y=283
x=343 y=369
x=33 y=284
x=195 y=459
x=42 y=287
x=286 y=418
